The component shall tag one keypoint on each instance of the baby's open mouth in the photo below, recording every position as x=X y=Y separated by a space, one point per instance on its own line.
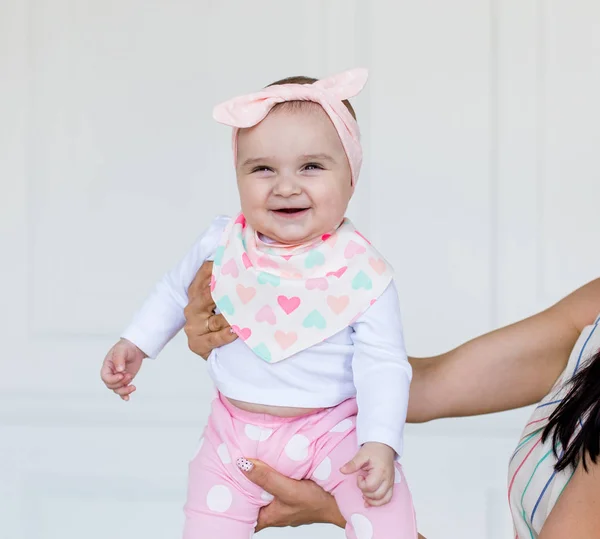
x=291 y=210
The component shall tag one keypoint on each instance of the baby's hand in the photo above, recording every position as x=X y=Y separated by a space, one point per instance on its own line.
x=374 y=463
x=120 y=366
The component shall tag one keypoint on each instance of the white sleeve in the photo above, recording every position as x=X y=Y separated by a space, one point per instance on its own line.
x=382 y=373
x=161 y=316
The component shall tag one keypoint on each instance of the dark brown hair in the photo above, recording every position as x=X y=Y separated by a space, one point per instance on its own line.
x=297 y=104
x=574 y=426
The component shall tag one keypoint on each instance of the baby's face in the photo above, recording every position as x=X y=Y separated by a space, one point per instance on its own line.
x=293 y=175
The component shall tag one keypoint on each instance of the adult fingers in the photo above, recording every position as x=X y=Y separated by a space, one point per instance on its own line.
x=276 y=484
x=217 y=322
x=201 y=281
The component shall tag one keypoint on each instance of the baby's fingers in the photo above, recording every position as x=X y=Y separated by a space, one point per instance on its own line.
x=111 y=380
x=121 y=380
x=372 y=482
x=124 y=392
x=108 y=373
x=377 y=503
x=379 y=493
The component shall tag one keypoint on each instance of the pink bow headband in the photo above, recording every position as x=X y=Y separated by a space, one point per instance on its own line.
x=250 y=110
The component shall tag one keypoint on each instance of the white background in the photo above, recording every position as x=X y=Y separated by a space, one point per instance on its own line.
x=481 y=185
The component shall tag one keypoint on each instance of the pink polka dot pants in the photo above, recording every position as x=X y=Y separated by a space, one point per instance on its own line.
x=223 y=504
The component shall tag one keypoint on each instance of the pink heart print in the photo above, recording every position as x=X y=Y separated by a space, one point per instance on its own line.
x=266 y=262
x=338 y=304
x=291 y=275
x=353 y=249
x=267 y=315
x=289 y=305
x=231 y=269
x=317 y=282
x=378 y=264
x=213 y=283
x=246 y=294
x=242 y=333
x=338 y=273
x=285 y=340
x=241 y=220
x=246 y=261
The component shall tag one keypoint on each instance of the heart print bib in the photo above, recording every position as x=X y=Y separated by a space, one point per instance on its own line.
x=283 y=299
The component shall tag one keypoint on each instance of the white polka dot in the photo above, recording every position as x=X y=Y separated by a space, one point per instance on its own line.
x=219 y=499
x=257 y=434
x=397 y=476
x=362 y=526
x=323 y=471
x=266 y=497
x=297 y=448
x=223 y=453
x=342 y=426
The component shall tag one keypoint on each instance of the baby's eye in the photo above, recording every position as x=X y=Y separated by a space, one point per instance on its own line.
x=261 y=169
x=313 y=166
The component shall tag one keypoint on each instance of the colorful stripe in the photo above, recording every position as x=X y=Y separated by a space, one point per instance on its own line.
x=522 y=445
x=548 y=403
x=537 y=421
x=585 y=345
x=512 y=481
x=527 y=487
x=534 y=471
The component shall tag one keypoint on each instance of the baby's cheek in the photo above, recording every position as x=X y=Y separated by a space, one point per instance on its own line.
x=253 y=208
x=334 y=207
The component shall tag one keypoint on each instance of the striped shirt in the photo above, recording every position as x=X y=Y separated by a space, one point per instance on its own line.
x=534 y=485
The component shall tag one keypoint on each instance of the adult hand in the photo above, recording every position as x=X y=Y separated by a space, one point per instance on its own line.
x=205 y=330
x=295 y=502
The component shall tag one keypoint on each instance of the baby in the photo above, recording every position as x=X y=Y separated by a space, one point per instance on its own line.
x=317 y=384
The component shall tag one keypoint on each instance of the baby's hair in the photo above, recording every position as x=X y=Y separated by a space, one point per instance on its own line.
x=300 y=104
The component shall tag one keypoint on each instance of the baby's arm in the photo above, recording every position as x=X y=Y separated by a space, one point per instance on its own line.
x=382 y=376
x=161 y=316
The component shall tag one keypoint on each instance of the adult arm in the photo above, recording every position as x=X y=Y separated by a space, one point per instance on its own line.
x=508 y=368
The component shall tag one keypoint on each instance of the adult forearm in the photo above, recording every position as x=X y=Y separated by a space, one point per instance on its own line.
x=508 y=368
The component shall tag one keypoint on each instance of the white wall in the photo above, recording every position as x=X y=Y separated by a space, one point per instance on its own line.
x=481 y=185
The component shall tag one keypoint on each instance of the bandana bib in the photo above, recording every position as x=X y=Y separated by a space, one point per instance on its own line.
x=283 y=299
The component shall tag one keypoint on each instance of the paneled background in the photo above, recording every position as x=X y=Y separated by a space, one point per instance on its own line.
x=481 y=185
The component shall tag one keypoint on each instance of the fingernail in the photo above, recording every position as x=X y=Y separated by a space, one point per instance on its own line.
x=120 y=368
x=244 y=464
x=231 y=330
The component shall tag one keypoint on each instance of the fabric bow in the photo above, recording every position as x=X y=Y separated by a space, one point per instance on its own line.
x=249 y=110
